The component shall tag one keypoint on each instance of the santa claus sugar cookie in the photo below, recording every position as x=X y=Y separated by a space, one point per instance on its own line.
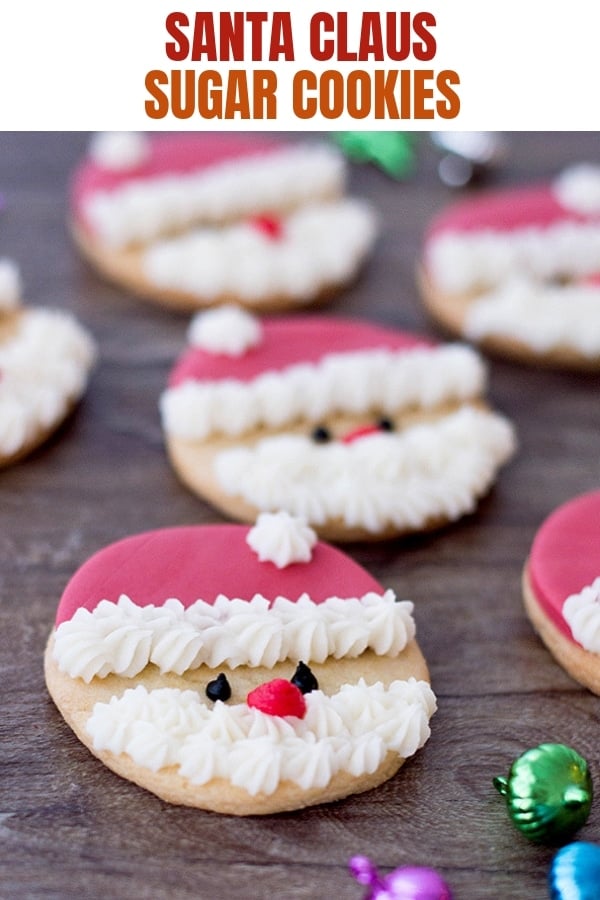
x=561 y=587
x=193 y=220
x=366 y=431
x=245 y=671
x=45 y=360
x=518 y=270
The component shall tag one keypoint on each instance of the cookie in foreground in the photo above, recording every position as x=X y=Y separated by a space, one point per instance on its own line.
x=561 y=587
x=195 y=220
x=366 y=431
x=244 y=671
x=45 y=360
x=517 y=270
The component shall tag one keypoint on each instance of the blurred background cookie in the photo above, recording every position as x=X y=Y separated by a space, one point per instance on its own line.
x=366 y=431
x=45 y=360
x=194 y=220
x=561 y=587
x=517 y=270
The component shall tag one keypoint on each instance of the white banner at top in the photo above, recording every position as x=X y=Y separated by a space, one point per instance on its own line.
x=172 y=64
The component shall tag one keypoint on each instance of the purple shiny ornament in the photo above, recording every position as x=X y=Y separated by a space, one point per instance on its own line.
x=406 y=883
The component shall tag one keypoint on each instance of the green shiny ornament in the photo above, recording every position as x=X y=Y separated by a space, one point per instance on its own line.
x=391 y=151
x=548 y=792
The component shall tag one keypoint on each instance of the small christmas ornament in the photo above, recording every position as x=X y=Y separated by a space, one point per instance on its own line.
x=575 y=872
x=406 y=883
x=468 y=156
x=391 y=151
x=548 y=792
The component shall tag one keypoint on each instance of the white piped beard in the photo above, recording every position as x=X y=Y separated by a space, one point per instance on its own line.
x=544 y=316
x=351 y=731
x=432 y=470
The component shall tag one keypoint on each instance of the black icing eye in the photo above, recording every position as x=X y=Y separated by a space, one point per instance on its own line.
x=219 y=689
x=304 y=679
x=385 y=424
x=320 y=434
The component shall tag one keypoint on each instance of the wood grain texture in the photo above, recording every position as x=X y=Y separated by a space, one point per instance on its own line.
x=69 y=828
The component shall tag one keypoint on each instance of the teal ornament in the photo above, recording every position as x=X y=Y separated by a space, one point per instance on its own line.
x=575 y=872
x=391 y=151
x=548 y=792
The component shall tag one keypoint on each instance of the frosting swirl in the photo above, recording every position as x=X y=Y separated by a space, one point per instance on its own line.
x=351 y=731
x=226 y=329
x=582 y=613
x=122 y=638
x=281 y=539
x=578 y=188
x=431 y=470
x=321 y=244
x=354 y=382
x=143 y=210
x=543 y=316
x=461 y=262
x=119 y=151
x=44 y=368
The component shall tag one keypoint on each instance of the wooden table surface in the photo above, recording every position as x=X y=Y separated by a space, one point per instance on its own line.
x=69 y=828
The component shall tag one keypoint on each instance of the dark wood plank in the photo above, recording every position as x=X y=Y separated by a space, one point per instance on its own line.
x=71 y=829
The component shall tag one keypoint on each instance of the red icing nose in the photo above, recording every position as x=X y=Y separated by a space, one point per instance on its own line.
x=269 y=225
x=592 y=280
x=361 y=431
x=278 y=698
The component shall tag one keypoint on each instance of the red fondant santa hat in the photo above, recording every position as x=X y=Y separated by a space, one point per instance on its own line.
x=279 y=557
x=134 y=187
x=223 y=595
x=240 y=373
x=544 y=231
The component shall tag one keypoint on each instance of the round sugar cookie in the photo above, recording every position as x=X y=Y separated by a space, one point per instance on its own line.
x=365 y=431
x=561 y=587
x=45 y=360
x=518 y=270
x=245 y=671
x=195 y=220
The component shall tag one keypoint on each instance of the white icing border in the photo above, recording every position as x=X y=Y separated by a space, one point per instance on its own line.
x=44 y=368
x=582 y=614
x=275 y=181
x=350 y=731
x=355 y=382
x=123 y=638
x=460 y=262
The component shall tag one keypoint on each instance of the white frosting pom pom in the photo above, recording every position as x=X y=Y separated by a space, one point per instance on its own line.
x=10 y=285
x=226 y=329
x=119 y=151
x=282 y=539
x=578 y=189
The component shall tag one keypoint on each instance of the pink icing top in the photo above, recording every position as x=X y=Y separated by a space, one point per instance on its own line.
x=565 y=556
x=174 y=154
x=504 y=210
x=289 y=341
x=200 y=562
